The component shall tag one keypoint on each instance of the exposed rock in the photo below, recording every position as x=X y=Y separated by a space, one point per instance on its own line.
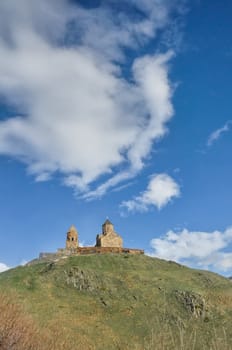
x=193 y=302
x=84 y=280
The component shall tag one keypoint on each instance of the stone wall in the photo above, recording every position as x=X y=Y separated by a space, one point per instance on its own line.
x=105 y=250
x=87 y=251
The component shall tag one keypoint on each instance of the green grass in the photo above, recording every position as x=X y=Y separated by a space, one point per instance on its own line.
x=126 y=302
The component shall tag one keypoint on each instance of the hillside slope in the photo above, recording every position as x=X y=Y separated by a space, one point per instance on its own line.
x=125 y=302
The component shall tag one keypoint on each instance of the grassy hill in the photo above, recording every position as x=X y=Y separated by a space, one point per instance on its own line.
x=122 y=302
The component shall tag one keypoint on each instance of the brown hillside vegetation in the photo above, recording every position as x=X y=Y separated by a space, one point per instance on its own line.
x=18 y=331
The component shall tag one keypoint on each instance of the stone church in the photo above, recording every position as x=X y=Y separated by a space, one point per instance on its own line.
x=106 y=242
x=108 y=237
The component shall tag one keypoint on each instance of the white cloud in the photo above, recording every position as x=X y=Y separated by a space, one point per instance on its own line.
x=160 y=190
x=202 y=249
x=23 y=262
x=214 y=136
x=76 y=113
x=3 y=267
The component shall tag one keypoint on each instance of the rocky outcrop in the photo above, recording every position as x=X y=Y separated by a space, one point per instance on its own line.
x=194 y=303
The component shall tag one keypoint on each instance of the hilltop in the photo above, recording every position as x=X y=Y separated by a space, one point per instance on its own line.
x=123 y=301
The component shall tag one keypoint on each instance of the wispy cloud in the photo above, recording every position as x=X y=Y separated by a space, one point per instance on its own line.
x=160 y=190
x=3 y=267
x=196 y=248
x=61 y=67
x=215 y=135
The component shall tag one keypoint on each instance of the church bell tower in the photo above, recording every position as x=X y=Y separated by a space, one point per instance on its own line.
x=72 y=238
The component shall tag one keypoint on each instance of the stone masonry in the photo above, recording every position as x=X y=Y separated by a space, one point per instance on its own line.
x=72 y=238
x=108 y=238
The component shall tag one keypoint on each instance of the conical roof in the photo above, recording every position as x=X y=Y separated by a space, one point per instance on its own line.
x=72 y=229
x=107 y=222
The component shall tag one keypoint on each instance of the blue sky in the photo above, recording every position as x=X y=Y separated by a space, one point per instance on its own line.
x=118 y=109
